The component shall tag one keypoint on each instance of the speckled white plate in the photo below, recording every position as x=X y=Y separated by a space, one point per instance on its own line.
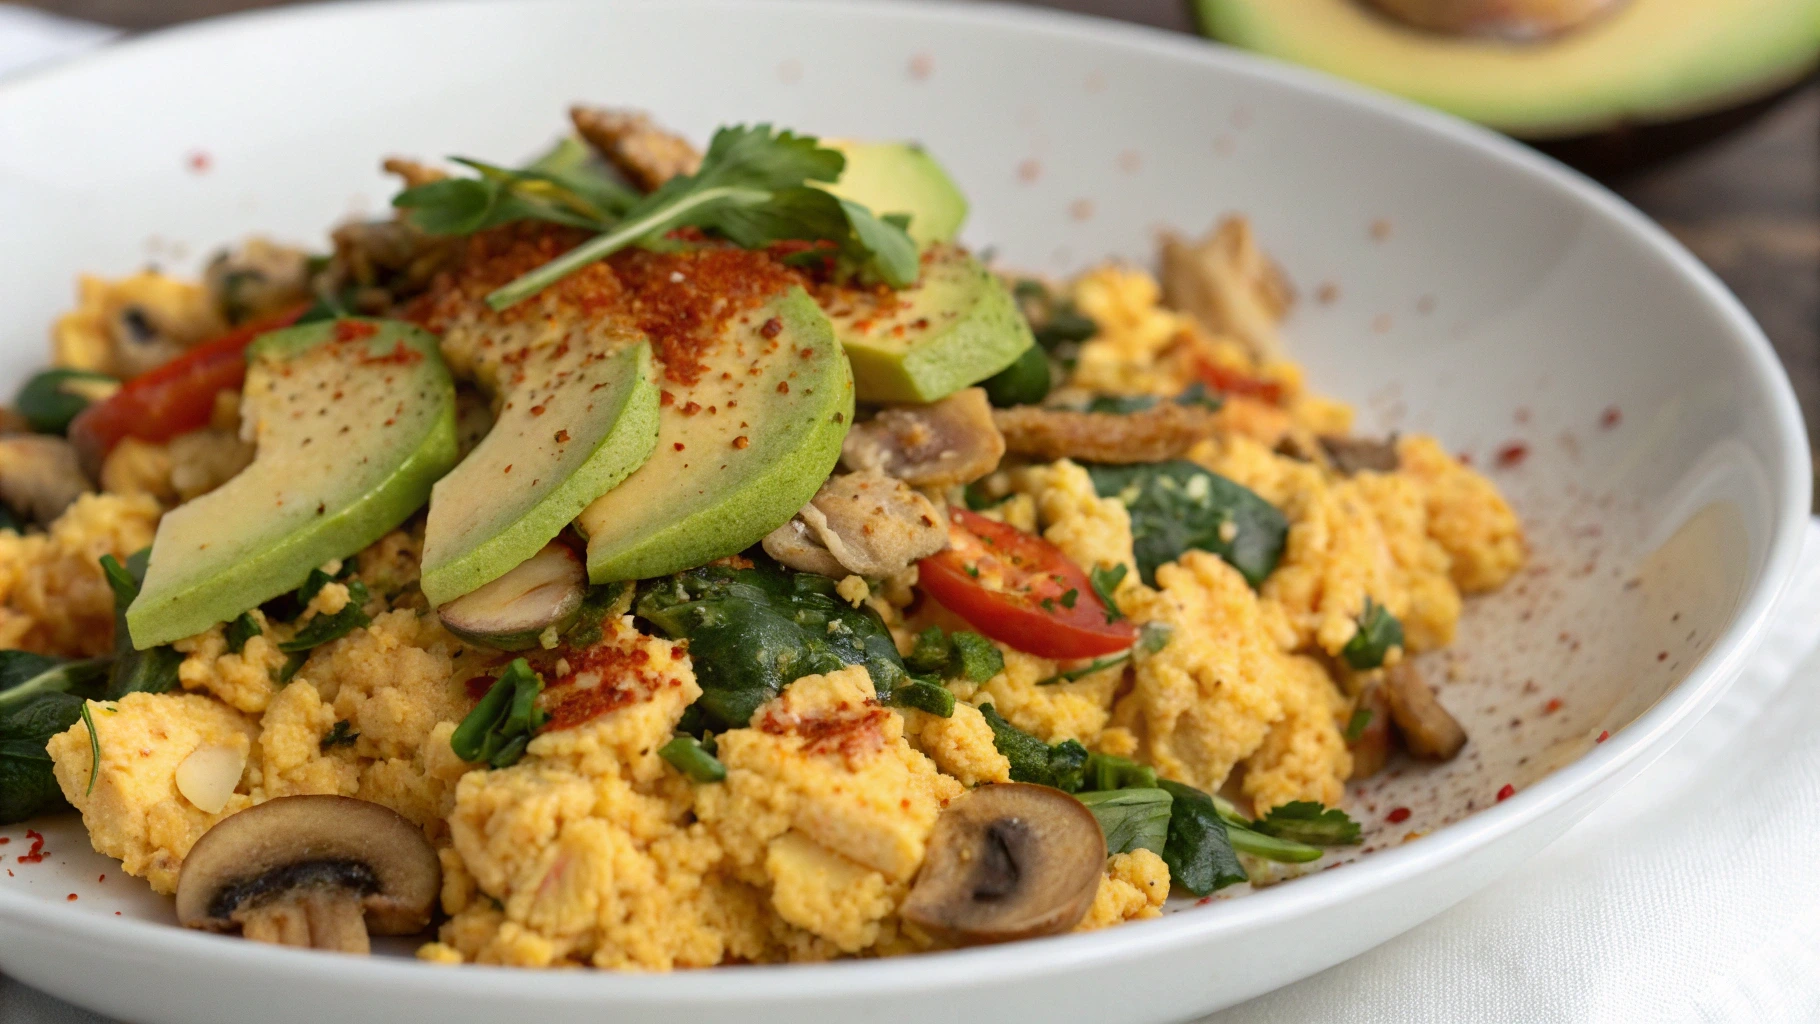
x=1452 y=282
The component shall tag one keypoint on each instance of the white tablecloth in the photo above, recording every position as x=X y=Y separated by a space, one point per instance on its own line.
x=1691 y=896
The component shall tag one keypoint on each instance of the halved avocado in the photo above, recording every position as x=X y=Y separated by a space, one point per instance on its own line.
x=901 y=177
x=354 y=420
x=737 y=453
x=1644 y=62
x=956 y=326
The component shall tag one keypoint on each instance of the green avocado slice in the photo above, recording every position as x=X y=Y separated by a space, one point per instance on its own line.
x=578 y=414
x=738 y=453
x=354 y=420
x=901 y=177
x=955 y=327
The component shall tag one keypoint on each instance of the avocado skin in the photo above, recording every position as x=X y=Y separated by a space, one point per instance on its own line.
x=170 y=607
x=972 y=330
x=676 y=512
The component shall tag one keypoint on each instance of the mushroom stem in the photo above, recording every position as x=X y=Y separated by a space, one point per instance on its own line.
x=320 y=919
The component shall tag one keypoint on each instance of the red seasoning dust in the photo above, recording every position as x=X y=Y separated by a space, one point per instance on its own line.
x=36 y=854
x=1507 y=792
x=1397 y=815
x=1512 y=455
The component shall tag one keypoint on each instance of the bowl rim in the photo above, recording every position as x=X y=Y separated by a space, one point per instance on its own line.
x=896 y=975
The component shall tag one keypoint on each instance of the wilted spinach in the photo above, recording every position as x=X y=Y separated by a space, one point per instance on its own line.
x=1063 y=766
x=153 y=670
x=1131 y=819
x=40 y=697
x=1177 y=506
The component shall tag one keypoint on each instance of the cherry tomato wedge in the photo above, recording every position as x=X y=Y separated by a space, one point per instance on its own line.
x=1020 y=590
x=173 y=399
x=1228 y=381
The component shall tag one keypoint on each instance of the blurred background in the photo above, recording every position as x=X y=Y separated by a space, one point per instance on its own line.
x=1703 y=113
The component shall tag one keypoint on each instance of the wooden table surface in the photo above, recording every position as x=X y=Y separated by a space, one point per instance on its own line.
x=1748 y=204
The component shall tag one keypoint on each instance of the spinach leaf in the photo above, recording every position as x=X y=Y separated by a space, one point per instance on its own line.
x=923 y=695
x=960 y=655
x=753 y=631
x=153 y=670
x=1305 y=821
x=1379 y=631
x=323 y=628
x=39 y=698
x=239 y=631
x=1195 y=394
x=1059 y=328
x=1063 y=766
x=688 y=755
x=1132 y=819
x=499 y=728
x=1246 y=838
x=597 y=604
x=1105 y=581
x=1177 y=506
x=287 y=607
x=51 y=399
x=1198 y=849
x=1025 y=382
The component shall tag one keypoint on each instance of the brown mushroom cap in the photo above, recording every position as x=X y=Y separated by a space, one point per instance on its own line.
x=1428 y=730
x=303 y=849
x=1008 y=861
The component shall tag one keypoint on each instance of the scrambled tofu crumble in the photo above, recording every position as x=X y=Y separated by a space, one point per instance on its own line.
x=596 y=848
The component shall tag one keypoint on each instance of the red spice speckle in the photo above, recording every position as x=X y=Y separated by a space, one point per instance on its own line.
x=741 y=442
x=101 y=878
x=4 y=840
x=1661 y=655
x=1203 y=901
x=1029 y=170
x=1604 y=735
x=1553 y=705
x=771 y=328
x=600 y=679
x=71 y=897
x=1512 y=455
x=199 y=161
x=1397 y=815
x=36 y=854
x=1611 y=418
x=783 y=387
x=562 y=437
x=354 y=330
x=1507 y=792
x=679 y=446
x=921 y=67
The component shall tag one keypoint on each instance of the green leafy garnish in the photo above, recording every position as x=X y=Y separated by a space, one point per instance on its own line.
x=959 y=655
x=239 y=631
x=1177 y=506
x=340 y=735
x=1198 y=849
x=40 y=696
x=559 y=187
x=499 y=728
x=1105 y=580
x=94 y=750
x=931 y=651
x=1025 y=382
x=1305 y=821
x=1109 y=771
x=153 y=670
x=1379 y=631
x=754 y=188
x=753 y=631
x=1132 y=819
x=923 y=695
x=1059 y=328
x=1152 y=637
x=1196 y=394
x=323 y=628
x=687 y=755
x=1357 y=724
x=52 y=398
x=1063 y=766
x=1246 y=838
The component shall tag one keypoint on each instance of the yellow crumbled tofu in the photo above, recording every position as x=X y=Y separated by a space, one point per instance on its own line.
x=1054 y=712
x=246 y=680
x=960 y=745
x=1466 y=514
x=1134 y=330
x=53 y=596
x=1092 y=531
x=292 y=761
x=127 y=326
x=392 y=681
x=1303 y=757
x=135 y=811
x=1133 y=888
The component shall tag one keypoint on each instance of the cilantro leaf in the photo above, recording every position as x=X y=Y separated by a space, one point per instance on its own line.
x=1105 y=581
x=1131 y=819
x=1305 y=821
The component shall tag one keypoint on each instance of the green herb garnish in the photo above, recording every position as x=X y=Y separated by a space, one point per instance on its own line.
x=1305 y=821
x=52 y=398
x=924 y=695
x=94 y=750
x=1199 y=848
x=339 y=736
x=153 y=670
x=1105 y=581
x=1062 y=766
x=499 y=728
x=1357 y=724
x=239 y=631
x=1379 y=631
x=1152 y=637
x=1132 y=819
x=323 y=628
x=40 y=696
x=1109 y=771
x=688 y=755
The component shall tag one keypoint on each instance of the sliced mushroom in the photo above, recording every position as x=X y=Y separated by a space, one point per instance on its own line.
x=1163 y=431
x=259 y=277
x=378 y=264
x=1227 y=283
x=1008 y=861
x=633 y=143
x=40 y=476
x=1372 y=746
x=860 y=524
x=1428 y=730
x=542 y=592
x=319 y=871
x=941 y=444
x=411 y=172
x=1514 y=20
x=1351 y=455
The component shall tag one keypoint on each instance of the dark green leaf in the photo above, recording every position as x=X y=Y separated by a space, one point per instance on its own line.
x=1063 y=766
x=687 y=755
x=501 y=725
x=1177 y=506
x=596 y=605
x=239 y=631
x=1109 y=771
x=1025 y=382
x=1131 y=819
x=975 y=658
x=153 y=670
x=284 y=672
x=339 y=736
x=1305 y=821
x=753 y=631
x=1379 y=631
x=52 y=398
x=40 y=697
x=930 y=652
x=1105 y=581
x=1152 y=637
x=1198 y=850
x=923 y=695
x=1357 y=724
x=323 y=628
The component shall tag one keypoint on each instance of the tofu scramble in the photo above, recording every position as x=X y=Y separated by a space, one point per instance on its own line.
x=1033 y=603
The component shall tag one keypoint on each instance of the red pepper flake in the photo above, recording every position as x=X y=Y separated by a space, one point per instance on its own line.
x=1604 y=734
x=354 y=330
x=1029 y=170
x=1507 y=792
x=199 y=162
x=1661 y=655
x=771 y=328
x=741 y=442
x=783 y=387
x=922 y=66
x=509 y=467
x=1512 y=455
x=36 y=854
x=1611 y=418
x=663 y=397
x=1553 y=705
x=101 y=878
x=690 y=409
x=537 y=410
x=71 y=897
x=562 y=437
x=1397 y=815
x=4 y=840
x=1203 y=901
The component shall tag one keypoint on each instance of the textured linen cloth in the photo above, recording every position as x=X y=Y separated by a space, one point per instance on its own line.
x=1690 y=896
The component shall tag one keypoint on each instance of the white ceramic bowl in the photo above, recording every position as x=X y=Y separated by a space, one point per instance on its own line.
x=1647 y=432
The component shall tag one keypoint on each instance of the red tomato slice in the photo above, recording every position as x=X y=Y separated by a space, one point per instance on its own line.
x=1228 y=381
x=173 y=399
x=1020 y=590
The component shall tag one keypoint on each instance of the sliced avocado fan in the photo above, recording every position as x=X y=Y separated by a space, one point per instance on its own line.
x=353 y=420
